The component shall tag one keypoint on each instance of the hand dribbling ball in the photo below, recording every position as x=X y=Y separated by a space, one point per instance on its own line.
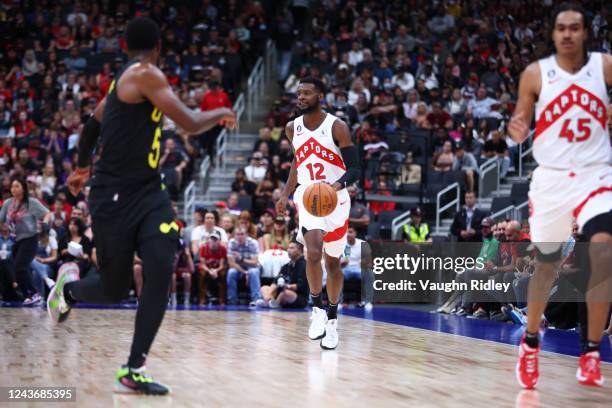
x=320 y=199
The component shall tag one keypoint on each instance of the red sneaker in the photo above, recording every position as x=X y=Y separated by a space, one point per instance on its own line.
x=527 y=372
x=589 y=371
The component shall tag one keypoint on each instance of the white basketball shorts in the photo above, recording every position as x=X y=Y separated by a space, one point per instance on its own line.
x=556 y=197
x=335 y=225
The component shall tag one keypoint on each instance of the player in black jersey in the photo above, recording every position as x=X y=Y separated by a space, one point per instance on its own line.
x=130 y=211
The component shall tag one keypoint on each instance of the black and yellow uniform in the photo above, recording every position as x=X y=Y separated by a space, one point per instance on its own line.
x=130 y=213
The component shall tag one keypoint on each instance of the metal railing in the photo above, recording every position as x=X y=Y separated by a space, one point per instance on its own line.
x=189 y=200
x=255 y=87
x=505 y=211
x=455 y=201
x=486 y=168
x=524 y=152
x=397 y=224
x=270 y=65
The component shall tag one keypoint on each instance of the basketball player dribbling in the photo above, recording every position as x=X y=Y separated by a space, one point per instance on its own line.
x=130 y=209
x=574 y=179
x=323 y=152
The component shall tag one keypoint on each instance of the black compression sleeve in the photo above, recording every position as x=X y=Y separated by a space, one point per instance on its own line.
x=350 y=157
x=87 y=141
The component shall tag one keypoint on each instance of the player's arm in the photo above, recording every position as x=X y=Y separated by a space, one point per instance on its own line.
x=86 y=145
x=153 y=85
x=529 y=89
x=281 y=204
x=342 y=135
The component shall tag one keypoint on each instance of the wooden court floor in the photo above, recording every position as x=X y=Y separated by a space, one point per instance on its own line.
x=264 y=359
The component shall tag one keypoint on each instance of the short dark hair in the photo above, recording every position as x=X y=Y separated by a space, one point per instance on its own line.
x=142 y=34
x=318 y=84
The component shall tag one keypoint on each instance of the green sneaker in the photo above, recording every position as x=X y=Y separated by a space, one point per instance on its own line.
x=132 y=380
x=57 y=307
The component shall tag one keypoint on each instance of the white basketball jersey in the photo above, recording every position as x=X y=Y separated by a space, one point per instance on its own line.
x=571 y=116
x=317 y=156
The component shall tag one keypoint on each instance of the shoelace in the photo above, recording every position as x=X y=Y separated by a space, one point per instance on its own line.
x=530 y=363
x=591 y=364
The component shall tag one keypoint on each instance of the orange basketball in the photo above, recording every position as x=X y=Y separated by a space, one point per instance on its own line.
x=320 y=199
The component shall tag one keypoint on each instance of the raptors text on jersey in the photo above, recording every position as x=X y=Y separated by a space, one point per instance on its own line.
x=317 y=156
x=571 y=116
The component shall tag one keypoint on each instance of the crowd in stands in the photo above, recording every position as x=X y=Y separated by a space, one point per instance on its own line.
x=57 y=62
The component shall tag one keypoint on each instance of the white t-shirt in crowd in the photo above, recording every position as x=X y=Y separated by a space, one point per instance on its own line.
x=200 y=234
x=353 y=254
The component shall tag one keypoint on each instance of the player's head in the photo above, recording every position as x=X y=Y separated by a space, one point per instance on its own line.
x=310 y=93
x=142 y=36
x=570 y=28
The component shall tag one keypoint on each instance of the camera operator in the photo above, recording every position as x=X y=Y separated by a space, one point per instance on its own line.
x=291 y=287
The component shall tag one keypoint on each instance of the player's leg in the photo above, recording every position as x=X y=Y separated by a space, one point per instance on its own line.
x=598 y=231
x=158 y=240
x=550 y=225
x=333 y=246
x=314 y=274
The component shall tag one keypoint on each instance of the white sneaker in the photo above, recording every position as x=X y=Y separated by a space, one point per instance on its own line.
x=274 y=304
x=261 y=303
x=330 y=341
x=368 y=307
x=318 y=319
x=57 y=307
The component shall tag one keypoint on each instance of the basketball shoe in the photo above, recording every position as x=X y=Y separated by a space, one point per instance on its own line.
x=135 y=380
x=527 y=372
x=318 y=319
x=57 y=307
x=589 y=371
x=330 y=340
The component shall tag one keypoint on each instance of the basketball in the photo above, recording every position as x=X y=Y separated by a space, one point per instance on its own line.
x=320 y=199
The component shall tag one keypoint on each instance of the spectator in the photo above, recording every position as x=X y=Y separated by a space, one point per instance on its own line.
x=278 y=238
x=466 y=162
x=76 y=247
x=245 y=220
x=444 y=159
x=232 y=204
x=242 y=185
x=354 y=266
x=183 y=269
x=200 y=234
x=75 y=62
x=410 y=172
x=213 y=267
x=227 y=223
x=242 y=259
x=172 y=164
x=359 y=216
x=256 y=171
x=466 y=225
x=497 y=147
x=481 y=107
x=45 y=259
x=109 y=42
x=291 y=287
x=22 y=213
x=7 y=272
x=416 y=231
x=439 y=118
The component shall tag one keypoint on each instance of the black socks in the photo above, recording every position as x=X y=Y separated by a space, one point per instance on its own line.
x=532 y=339
x=316 y=300
x=332 y=311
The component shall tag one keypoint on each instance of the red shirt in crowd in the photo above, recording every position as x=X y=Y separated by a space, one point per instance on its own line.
x=215 y=99
x=212 y=258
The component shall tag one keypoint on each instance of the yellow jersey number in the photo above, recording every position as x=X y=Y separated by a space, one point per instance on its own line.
x=156 y=116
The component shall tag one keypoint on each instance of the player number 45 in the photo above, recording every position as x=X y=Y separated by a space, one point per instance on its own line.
x=576 y=132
